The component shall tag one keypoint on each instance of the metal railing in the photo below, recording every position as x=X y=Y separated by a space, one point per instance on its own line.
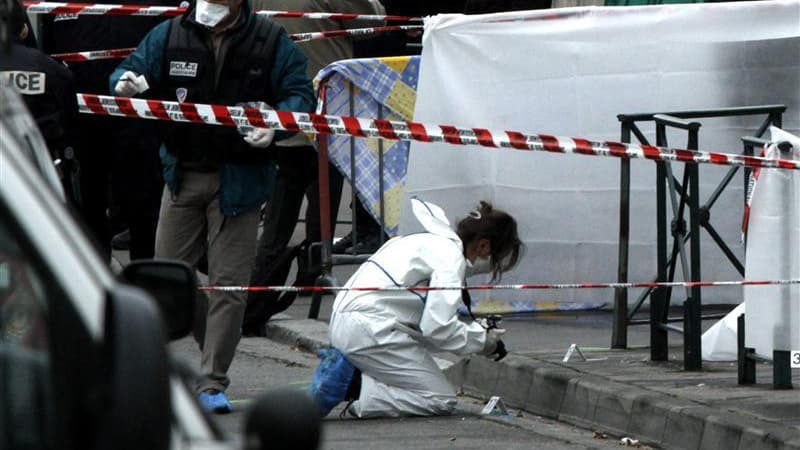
x=683 y=195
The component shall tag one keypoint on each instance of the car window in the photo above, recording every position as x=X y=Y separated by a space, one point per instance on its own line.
x=26 y=401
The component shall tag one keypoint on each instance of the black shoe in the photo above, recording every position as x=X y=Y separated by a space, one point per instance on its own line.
x=369 y=244
x=121 y=241
x=343 y=244
x=259 y=330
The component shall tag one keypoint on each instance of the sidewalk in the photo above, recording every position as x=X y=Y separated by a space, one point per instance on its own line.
x=617 y=391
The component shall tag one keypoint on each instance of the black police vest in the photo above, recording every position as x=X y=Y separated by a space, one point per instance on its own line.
x=190 y=75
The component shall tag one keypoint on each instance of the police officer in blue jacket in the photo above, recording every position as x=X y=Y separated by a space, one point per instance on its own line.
x=216 y=178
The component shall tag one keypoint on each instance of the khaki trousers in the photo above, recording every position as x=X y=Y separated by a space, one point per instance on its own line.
x=189 y=224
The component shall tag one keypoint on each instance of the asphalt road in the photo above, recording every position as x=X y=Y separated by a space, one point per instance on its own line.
x=262 y=364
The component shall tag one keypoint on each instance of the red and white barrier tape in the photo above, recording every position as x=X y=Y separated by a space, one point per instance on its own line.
x=407 y=131
x=100 y=9
x=119 y=53
x=305 y=37
x=494 y=287
x=748 y=195
x=116 y=53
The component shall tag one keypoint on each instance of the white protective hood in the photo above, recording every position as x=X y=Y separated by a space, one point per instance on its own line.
x=433 y=219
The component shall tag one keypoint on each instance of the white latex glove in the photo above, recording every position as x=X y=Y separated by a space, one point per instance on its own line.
x=260 y=137
x=492 y=338
x=130 y=84
x=247 y=129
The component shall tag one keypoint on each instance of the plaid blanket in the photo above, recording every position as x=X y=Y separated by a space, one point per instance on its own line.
x=373 y=88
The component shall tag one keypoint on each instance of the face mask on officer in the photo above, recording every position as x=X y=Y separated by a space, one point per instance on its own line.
x=211 y=14
x=480 y=265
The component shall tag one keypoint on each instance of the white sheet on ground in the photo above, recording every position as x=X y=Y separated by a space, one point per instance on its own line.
x=569 y=72
x=719 y=342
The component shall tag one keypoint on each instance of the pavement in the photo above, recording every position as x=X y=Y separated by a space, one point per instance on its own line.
x=620 y=392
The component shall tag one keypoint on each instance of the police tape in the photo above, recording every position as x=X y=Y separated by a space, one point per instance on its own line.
x=119 y=53
x=495 y=287
x=100 y=9
x=352 y=32
x=93 y=55
x=235 y=116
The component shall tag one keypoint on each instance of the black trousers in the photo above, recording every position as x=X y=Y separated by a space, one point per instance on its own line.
x=137 y=184
x=118 y=162
x=297 y=178
x=93 y=146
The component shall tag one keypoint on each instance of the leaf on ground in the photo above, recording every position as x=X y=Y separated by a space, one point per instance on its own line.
x=599 y=435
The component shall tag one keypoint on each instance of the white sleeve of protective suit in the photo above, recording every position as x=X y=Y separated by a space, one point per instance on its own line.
x=439 y=324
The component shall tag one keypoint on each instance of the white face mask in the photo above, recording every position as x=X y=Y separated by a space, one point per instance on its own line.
x=481 y=265
x=210 y=14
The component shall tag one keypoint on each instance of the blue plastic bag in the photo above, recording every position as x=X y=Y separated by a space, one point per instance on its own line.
x=331 y=379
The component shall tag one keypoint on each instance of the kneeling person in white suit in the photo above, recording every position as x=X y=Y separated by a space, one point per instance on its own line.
x=388 y=335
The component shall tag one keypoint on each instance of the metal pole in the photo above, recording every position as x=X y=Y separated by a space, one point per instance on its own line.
x=692 y=329
x=326 y=235
x=382 y=212
x=781 y=369
x=353 y=197
x=777 y=118
x=658 y=335
x=619 y=333
x=746 y=364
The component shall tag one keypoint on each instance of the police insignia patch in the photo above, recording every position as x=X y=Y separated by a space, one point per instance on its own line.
x=181 y=94
x=182 y=69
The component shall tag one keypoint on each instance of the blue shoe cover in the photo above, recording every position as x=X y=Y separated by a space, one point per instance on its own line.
x=215 y=403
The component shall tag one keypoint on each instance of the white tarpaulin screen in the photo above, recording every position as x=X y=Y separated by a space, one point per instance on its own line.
x=569 y=72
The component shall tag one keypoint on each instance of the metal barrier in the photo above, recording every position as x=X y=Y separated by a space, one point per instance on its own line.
x=327 y=258
x=747 y=358
x=683 y=195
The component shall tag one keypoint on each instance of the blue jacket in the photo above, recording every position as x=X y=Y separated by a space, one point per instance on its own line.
x=242 y=186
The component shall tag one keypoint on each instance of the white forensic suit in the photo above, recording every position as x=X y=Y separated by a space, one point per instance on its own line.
x=387 y=335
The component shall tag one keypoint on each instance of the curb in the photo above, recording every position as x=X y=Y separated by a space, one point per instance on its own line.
x=589 y=401
x=309 y=334
x=595 y=402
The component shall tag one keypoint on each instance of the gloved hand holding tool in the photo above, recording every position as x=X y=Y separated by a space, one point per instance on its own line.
x=260 y=137
x=257 y=137
x=130 y=84
x=494 y=345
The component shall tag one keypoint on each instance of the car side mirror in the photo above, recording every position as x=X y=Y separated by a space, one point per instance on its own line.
x=173 y=285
